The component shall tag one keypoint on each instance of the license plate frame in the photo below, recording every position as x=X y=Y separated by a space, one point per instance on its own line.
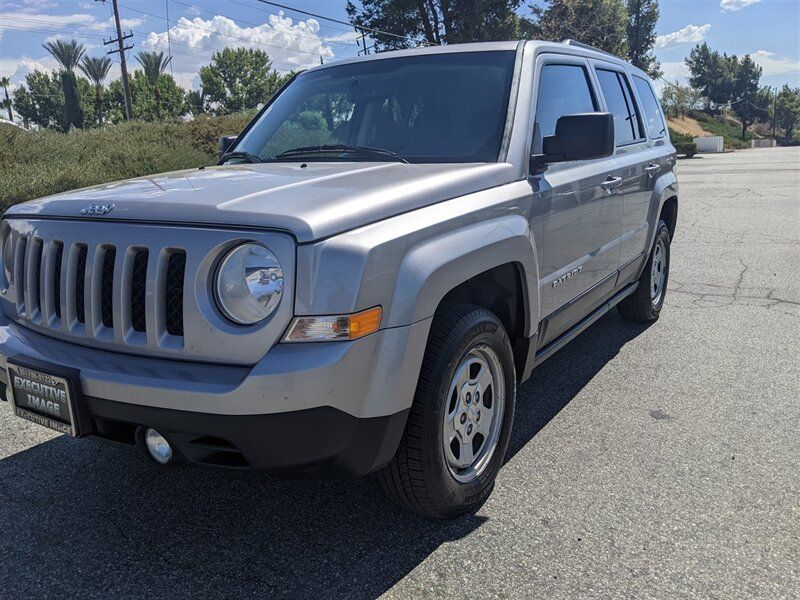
x=52 y=380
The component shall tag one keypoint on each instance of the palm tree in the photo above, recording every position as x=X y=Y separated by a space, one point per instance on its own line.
x=96 y=69
x=154 y=65
x=5 y=82
x=68 y=54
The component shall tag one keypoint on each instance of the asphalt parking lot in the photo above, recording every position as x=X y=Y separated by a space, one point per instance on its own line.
x=659 y=461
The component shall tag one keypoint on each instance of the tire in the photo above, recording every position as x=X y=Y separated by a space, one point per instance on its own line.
x=464 y=341
x=644 y=305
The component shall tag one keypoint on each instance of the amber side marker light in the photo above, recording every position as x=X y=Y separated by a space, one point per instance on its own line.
x=332 y=328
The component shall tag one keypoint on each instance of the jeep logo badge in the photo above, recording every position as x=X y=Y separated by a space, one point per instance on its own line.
x=97 y=209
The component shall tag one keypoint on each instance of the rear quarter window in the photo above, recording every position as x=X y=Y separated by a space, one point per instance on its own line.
x=653 y=119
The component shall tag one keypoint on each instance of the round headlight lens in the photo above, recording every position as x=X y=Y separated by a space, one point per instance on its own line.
x=249 y=284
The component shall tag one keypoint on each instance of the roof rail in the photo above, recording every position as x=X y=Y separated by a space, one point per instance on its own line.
x=570 y=42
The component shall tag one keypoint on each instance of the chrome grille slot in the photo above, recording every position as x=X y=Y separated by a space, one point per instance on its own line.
x=55 y=277
x=173 y=293
x=19 y=272
x=138 y=290
x=33 y=276
x=107 y=288
x=80 y=283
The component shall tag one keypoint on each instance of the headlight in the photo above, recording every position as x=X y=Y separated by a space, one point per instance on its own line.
x=249 y=284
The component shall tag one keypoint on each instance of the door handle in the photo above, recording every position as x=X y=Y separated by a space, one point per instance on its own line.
x=611 y=183
x=652 y=168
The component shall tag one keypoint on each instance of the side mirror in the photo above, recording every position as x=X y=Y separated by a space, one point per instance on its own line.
x=225 y=142
x=578 y=137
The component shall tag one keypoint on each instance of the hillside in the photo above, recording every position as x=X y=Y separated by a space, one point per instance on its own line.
x=699 y=124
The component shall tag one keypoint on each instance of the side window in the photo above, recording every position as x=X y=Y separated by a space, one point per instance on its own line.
x=619 y=99
x=652 y=114
x=563 y=90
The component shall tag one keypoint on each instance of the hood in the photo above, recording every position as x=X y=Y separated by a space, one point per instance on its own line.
x=312 y=202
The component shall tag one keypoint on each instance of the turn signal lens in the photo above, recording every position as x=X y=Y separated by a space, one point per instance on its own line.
x=334 y=327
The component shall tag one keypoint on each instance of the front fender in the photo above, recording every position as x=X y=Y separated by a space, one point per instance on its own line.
x=408 y=263
x=434 y=267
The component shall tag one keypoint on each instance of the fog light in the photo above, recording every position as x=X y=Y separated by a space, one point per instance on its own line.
x=157 y=446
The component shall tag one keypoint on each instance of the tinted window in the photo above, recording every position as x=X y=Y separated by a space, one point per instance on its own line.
x=430 y=108
x=652 y=114
x=620 y=103
x=563 y=90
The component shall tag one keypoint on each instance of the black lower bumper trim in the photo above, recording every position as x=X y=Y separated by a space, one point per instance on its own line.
x=320 y=440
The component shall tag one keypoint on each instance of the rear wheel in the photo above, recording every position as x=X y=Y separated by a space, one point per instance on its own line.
x=459 y=425
x=645 y=304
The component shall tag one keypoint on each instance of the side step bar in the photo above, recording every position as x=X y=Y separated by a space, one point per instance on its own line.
x=542 y=354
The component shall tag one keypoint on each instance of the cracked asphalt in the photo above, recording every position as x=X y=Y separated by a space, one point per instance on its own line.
x=647 y=462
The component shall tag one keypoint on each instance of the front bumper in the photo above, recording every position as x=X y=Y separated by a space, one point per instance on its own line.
x=337 y=406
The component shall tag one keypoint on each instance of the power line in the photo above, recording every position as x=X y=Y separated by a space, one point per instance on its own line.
x=292 y=33
x=332 y=20
x=228 y=35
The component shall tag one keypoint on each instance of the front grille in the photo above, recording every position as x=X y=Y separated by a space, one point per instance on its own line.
x=131 y=288
x=86 y=297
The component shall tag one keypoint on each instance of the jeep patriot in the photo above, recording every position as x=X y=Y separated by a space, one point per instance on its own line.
x=379 y=259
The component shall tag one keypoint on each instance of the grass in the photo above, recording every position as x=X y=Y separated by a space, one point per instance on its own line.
x=719 y=125
x=34 y=164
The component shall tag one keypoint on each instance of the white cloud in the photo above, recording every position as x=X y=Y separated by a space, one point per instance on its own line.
x=27 y=20
x=774 y=65
x=674 y=72
x=734 y=5
x=291 y=45
x=691 y=34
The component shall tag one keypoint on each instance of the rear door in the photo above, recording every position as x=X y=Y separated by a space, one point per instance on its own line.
x=578 y=207
x=640 y=162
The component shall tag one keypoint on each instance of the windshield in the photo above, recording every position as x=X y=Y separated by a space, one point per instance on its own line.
x=427 y=108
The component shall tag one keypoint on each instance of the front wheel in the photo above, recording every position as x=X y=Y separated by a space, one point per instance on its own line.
x=460 y=422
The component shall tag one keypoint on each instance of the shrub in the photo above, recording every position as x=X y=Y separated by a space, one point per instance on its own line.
x=40 y=163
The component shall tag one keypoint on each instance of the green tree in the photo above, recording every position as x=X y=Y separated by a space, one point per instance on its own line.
x=96 y=69
x=68 y=55
x=677 y=100
x=171 y=102
x=195 y=102
x=239 y=79
x=5 y=82
x=437 y=22
x=787 y=110
x=154 y=65
x=713 y=74
x=40 y=101
x=599 y=23
x=750 y=103
x=641 y=34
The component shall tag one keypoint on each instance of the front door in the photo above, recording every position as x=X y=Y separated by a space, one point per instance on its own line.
x=577 y=205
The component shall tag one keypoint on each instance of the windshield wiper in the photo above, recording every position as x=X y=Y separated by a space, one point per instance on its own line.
x=248 y=156
x=341 y=148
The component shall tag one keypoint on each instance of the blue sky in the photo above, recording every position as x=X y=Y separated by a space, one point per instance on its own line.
x=766 y=29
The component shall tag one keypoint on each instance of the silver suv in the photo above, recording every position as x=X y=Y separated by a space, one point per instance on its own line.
x=380 y=258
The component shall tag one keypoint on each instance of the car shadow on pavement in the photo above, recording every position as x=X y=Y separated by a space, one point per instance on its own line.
x=80 y=518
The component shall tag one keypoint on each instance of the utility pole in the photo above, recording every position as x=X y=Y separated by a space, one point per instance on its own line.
x=775 y=112
x=121 y=48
